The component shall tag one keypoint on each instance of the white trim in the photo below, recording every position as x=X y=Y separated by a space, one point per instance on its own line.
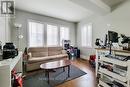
x=96 y=6
x=33 y=20
x=102 y=5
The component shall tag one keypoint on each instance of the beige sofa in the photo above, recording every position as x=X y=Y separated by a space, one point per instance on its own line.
x=39 y=55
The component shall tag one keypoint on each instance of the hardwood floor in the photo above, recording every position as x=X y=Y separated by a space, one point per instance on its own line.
x=87 y=80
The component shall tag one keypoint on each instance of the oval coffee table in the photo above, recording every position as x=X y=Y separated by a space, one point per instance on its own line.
x=49 y=66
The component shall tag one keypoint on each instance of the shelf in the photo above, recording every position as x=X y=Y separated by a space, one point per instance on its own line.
x=115 y=50
x=114 y=75
x=113 y=79
x=117 y=64
x=103 y=84
x=114 y=61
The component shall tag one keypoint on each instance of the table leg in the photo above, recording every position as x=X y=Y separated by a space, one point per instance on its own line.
x=47 y=75
x=68 y=70
x=63 y=69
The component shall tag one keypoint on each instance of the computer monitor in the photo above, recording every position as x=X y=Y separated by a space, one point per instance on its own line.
x=113 y=37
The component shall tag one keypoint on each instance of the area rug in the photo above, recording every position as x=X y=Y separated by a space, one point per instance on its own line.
x=56 y=78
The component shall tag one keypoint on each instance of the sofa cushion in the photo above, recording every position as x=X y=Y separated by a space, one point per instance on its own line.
x=58 y=56
x=64 y=52
x=38 y=51
x=39 y=54
x=39 y=59
x=51 y=53
x=54 y=51
x=55 y=48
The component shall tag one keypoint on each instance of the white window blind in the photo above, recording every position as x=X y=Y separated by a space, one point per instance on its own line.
x=52 y=35
x=36 y=31
x=86 y=36
x=64 y=34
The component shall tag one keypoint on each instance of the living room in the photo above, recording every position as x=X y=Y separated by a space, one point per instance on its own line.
x=64 y=43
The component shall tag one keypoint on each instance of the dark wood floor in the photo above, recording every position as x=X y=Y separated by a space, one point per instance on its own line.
x=87 y=80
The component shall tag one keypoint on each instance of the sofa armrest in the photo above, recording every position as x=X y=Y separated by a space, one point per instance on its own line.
x=29 y=55
x=25 y=60
x=64 y=52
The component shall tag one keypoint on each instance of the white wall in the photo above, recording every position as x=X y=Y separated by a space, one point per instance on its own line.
x=22 y=18
x=4 y=30
x=119 y=19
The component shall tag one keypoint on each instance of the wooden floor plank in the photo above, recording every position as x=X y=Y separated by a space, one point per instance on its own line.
x=87 y=80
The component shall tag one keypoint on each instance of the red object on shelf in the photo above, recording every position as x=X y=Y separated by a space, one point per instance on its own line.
x=92 y=57
x=92 y=60
x=18 y=81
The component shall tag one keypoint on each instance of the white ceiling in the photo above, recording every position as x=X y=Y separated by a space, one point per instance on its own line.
x=70 y=10
x=111 y=3
x=63 y=9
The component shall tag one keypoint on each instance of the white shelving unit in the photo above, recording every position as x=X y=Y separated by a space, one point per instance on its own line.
x=103 y=84
x=114 y=75
x=100 y=58
x=6 y=66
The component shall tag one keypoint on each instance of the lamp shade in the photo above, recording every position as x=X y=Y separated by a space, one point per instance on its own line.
x=17 y=25
x=20 y=36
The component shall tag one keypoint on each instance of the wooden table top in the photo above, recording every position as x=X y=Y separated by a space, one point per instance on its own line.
x=55 y=64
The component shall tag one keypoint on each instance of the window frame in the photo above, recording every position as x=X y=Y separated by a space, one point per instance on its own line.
x=45 y=32
x=28 y=39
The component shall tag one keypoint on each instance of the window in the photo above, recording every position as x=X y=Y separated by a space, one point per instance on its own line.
x=86 y=36
x=40 y=34
x=52 y=35
x=64 y=34
x=36 y=31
